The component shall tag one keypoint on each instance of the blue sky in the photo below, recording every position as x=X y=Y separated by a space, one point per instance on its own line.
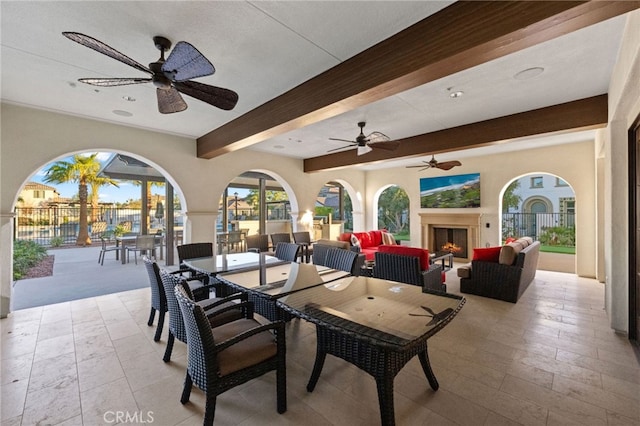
x=108 y=194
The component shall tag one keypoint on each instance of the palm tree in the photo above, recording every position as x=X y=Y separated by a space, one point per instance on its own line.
x=83 y=170
x=96 y=183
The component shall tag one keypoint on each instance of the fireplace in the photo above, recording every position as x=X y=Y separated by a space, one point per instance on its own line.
x=453 y=240
x=461 y=229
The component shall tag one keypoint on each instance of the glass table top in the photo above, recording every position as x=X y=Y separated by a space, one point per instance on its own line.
x=379 y=309
x=230 y=262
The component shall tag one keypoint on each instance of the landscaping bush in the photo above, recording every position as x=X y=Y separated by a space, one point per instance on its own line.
x=26 y=254
x=558 y=236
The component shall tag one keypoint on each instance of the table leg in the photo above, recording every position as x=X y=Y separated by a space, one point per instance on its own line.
x=385 y=399
x=317 y=368
x=426 y=367
x=123 y=253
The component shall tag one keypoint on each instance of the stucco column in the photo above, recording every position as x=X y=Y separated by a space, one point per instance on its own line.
x=200 y=227
x=359 y=221
x=6 y=262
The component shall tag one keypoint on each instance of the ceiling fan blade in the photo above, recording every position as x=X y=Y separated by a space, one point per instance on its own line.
x=448 y=165
x=343 y=140
x=170 y=101
x=376 y=137
x=342 y=148
x=217 y=96
x=100 y=47
x=416 y=167
x=186 y=62
x=107 y=82
x=388 y=146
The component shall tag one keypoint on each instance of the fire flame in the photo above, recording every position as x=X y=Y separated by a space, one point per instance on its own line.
x=452 y=248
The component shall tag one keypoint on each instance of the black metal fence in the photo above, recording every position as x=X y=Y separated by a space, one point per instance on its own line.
x=549 y=228
x=60 y=225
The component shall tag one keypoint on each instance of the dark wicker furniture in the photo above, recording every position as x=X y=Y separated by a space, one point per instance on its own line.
x=225 y=309
x=349 y=326
x=406 y=269
x=499 y=281
x=264 y=285
x=230 y=355
x=287 y=251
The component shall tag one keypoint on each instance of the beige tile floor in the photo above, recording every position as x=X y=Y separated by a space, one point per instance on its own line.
x=550 y=359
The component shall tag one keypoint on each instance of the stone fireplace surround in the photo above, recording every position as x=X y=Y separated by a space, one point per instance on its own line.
x=468 y=221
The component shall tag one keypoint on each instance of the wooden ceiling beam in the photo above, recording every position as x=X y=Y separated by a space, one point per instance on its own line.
x=460 y=36
x=583 y=114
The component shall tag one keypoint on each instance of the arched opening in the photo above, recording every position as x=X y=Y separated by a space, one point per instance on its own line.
x=542 y=206
x=125 y=195
x=255 y=202
x=333 y=212
x=391 y=207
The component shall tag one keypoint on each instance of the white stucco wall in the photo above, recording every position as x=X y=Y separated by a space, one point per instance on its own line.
x=30 y=139
x=572 y=162
x=624 y=108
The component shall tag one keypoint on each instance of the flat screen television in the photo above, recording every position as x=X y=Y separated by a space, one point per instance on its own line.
x=450 y=191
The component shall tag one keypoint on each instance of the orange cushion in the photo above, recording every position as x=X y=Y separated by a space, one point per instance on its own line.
x=422 y=254
x=489 y=254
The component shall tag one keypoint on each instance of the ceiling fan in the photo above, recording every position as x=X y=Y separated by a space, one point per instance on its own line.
x=170 y=76
x=365 y=144
x=447 y=165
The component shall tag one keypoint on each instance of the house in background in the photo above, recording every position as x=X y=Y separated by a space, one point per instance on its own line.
x=40 y=195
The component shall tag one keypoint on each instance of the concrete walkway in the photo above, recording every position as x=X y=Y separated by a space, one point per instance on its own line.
x=78 y=275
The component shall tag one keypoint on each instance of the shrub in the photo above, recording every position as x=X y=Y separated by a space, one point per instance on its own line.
x=57 y=241
x=558 y=236
x=26 y=254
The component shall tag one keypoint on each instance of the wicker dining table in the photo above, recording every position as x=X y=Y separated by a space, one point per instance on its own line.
x=375 y=324
x=266 y=284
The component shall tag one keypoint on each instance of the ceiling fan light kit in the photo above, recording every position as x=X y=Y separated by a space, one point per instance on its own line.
x=171 y=76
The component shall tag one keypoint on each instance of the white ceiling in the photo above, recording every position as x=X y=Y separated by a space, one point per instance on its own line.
x=261 y=49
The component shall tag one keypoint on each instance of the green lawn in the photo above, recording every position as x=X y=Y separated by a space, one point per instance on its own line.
x=558 y=249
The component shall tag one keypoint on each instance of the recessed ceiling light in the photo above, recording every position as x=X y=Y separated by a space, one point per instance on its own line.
x=529 y=73
x=122 y=113
x=278 y=147
x=129 y=98
x=456 y=94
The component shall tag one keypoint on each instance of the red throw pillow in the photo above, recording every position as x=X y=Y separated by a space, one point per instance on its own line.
x=510 y=240
x=489 y=254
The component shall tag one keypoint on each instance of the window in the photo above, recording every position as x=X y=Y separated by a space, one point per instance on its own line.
x=536 y=182
x=560 y=182
x=38 y=194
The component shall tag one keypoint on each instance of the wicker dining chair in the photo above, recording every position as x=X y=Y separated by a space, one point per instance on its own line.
x=287 y=251
x=320 y=252
x=303 y=238
x=258 y=243
x=280 y=237
x=225 y=308
x=229 y=355
x=341 y=259
x=158 y=297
